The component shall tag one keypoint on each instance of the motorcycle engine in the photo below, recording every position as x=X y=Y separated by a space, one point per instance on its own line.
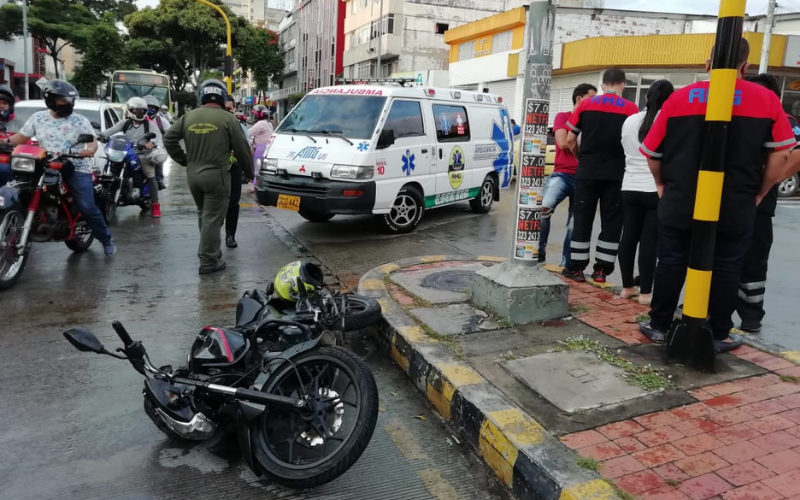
x=45 y=223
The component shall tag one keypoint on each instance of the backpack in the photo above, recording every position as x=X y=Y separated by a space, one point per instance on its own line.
x=160 y=124
x=129 y=124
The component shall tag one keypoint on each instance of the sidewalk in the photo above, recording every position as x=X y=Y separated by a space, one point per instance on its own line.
x=584 y=407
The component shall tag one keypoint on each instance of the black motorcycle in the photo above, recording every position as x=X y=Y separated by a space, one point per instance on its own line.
x=123 y=182
x=303 y=409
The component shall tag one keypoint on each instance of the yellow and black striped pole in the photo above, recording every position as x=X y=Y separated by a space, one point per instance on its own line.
x=692 y=340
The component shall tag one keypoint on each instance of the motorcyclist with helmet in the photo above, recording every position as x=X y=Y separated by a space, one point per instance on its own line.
x=210 y=134
x=232 y=219
x=155 y=116
x=6 y=115
x=134 y=128
x=57 y=129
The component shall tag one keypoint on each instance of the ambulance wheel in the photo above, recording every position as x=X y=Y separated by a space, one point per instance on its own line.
x=315 y=216
x=406 y=211
x=482 y=203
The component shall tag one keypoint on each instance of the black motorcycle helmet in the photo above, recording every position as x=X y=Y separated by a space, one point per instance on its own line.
x=213 y=91
x=7 y=95
x=55 y=89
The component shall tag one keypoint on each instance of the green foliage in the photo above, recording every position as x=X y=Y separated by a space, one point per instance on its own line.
x=259 y=52
x=211 y=74
x=117 y=8
x=10 y=21
x=103 y=52
x=588 y=463
x=182 y=38
x=295 y=98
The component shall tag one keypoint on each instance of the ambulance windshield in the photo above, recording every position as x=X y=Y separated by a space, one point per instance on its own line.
x=354 y=116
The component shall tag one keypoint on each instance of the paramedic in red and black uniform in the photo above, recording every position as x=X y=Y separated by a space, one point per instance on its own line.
x=759 y=134
x=601 y=166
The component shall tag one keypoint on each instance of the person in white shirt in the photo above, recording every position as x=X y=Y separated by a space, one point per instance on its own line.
x=640 y=199
x=155 y=116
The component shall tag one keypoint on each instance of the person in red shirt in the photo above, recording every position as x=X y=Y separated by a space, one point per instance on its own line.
x=561 y=183
x=758 y=129
x=598 y=179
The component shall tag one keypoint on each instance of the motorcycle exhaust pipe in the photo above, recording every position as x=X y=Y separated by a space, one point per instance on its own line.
x=42 y=234
x=199 y=428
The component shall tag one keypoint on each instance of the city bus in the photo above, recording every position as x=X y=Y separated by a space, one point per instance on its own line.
x=139 y=83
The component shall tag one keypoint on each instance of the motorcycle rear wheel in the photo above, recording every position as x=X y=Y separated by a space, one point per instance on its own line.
x=12 y=262
x=319 y=370
x=81 y=243
x=360 y=312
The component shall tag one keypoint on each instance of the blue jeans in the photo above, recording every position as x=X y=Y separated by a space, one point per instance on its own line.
x=558 y=188
x=5 y=174
x=80 y=185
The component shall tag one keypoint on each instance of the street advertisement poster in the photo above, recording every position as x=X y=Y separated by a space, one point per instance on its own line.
x=531 y=179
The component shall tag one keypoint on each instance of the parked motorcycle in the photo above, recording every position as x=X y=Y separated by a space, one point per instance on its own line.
x=123 y=182
x=303 y=410
x=37 y=207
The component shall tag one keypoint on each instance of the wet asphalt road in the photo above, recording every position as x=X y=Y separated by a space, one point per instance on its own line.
x=353 y=245
x=73 y=424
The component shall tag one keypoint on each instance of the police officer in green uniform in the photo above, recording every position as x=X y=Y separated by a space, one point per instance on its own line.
x=210 y=133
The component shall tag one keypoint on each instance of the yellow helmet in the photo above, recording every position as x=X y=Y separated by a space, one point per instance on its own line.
x=286 y=279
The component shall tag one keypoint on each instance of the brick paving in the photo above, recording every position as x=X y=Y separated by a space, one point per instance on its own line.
x=739 y=441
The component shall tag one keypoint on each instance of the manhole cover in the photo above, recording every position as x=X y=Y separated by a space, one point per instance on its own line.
x=450 y=281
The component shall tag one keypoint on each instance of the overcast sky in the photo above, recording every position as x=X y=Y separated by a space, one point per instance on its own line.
x=687 y=6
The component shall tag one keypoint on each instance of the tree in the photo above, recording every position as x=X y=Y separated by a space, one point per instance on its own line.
x=104 y=51
x=184 y=37
x=261 y=54
x=118 y=8
x=55 y=23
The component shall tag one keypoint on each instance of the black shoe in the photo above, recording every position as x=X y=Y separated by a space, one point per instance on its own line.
x=599 y=276
x=750 y=326
x=162 y=186
x=218 y=266
x=542 y=257
x=652 y=333
x=230 y=241
x=736 y=342
x=575 y=274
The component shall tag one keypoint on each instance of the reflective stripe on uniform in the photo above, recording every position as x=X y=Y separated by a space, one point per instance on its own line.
x=755 y=285
x=580 y=245
x=607 y=246
x=754 y=299
x=605 y=257
x=579 y=255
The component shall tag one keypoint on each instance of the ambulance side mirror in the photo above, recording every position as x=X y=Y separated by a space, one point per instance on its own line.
x=386 y=138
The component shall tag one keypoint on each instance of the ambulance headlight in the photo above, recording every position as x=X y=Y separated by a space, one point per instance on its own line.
x=352 y=172
x=269 y=166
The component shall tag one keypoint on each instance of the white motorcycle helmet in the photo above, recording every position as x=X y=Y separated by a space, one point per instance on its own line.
x=137 y=109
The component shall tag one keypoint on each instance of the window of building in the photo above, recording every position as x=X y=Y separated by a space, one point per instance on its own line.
x=466 y=51
x=452 y=123
x=501 y=42
x=365 y=69
x=405 y=118
x=290 y=56
x=441 y=28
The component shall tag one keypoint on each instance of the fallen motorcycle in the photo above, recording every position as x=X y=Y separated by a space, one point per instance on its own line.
x=303 y=409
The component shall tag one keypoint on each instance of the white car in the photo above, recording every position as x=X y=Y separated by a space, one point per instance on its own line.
x=103 y=116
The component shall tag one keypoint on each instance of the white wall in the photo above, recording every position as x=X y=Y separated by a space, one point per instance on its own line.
x=480 y=69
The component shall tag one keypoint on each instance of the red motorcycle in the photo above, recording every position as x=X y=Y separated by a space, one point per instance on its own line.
x=37 y=207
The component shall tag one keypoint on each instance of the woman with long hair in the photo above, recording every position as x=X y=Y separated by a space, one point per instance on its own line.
x=640 y=199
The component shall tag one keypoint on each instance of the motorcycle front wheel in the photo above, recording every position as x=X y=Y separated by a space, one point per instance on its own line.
x=12 y=260
x=109 y=206
x=307 y=448
x=360 y=312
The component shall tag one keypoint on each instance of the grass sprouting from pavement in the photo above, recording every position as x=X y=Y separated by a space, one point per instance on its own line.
x=646 y=377
x=624 y=495
x=587 y=463
x=639 y=318
x=789 y=378
x=578 y=309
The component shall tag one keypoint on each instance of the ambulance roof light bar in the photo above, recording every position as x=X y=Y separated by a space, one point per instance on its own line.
x=366 y=81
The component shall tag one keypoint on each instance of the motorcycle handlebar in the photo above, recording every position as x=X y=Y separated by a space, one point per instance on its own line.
x=122 y=333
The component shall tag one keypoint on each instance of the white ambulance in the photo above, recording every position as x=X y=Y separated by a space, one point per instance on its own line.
x=391 y=151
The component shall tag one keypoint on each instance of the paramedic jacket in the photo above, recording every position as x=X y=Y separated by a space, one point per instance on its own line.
x=758 y=126
x=599 y=121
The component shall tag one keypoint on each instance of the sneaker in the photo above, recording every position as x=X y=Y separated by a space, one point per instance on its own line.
x=652 y=333
x=750 y=326
x=733 y=341
x=574 y=274
x=599 y=276
x=219 y=266
x=161 y=186
x=156 y=210
x=109 y=247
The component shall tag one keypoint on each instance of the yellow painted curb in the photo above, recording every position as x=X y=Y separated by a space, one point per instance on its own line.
x=416 y=335
x=372 y=285
x=491 y=258
x=389 y=268
x=593 y=490
x=431 y=259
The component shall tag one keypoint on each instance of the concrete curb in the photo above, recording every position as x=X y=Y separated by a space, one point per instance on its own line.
x=523 y=455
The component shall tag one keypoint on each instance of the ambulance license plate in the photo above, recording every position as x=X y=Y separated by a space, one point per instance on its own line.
x=286 y=202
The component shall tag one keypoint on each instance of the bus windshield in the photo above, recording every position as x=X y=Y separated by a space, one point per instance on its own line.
x=352 y=116
x=124 y=91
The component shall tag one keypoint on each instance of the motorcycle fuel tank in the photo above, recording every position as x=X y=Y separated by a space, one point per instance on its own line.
x=216 y=348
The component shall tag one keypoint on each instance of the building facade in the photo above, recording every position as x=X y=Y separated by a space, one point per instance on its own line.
x=12 y=66
x=312 y=42
x=490 y=54
x=383 y=37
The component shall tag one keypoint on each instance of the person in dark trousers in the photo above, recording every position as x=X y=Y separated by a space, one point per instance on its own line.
x=758 y=130
x=640 y=199
x=753 y=281
x=237 y=174
x=210 y=134
x=561 y=183
x=601 y=165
